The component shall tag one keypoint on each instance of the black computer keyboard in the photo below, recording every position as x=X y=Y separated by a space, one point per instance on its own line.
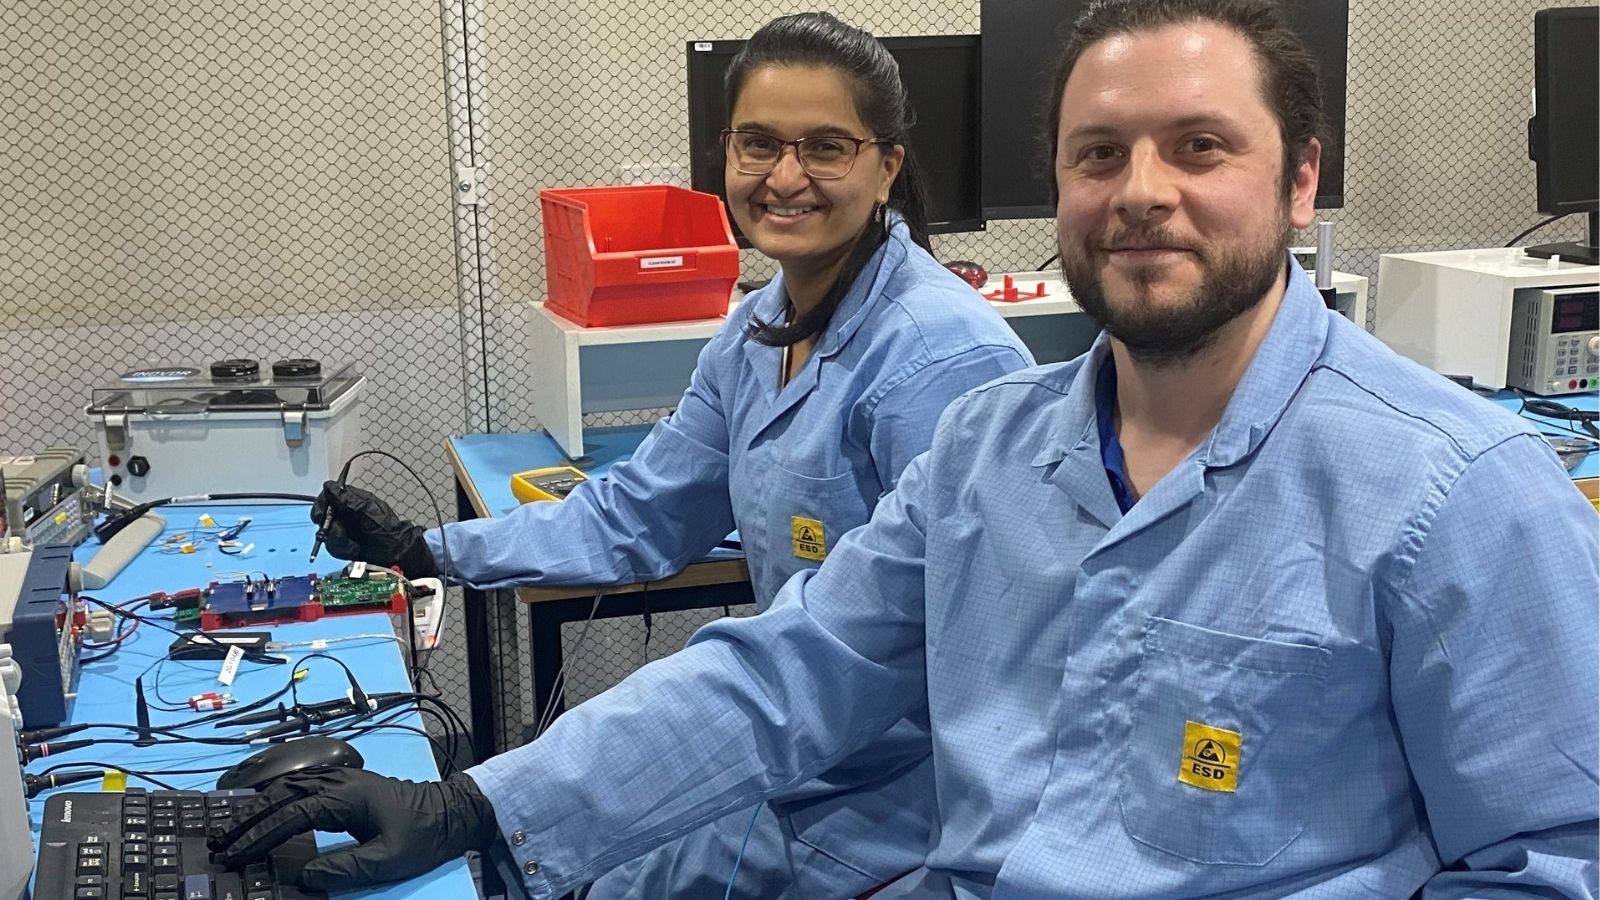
x=152 y=846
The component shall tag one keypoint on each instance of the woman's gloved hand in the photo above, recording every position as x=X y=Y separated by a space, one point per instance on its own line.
x=405 y=828
x=367 y=529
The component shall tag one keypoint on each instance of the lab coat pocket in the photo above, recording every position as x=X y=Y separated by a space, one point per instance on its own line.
x=806 y=518
x=1224 y=731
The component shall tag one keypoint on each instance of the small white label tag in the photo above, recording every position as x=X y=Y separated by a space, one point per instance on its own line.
x=702 y=46
x=661 y=262
x=230 y=664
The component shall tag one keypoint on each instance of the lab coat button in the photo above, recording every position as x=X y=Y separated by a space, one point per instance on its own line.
x=531 y=868
x=517 y=838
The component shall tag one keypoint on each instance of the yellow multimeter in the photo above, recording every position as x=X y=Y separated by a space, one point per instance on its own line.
x=553 y=483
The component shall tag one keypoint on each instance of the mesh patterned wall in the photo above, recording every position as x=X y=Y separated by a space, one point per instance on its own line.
x=187 y=181
x=590 y=93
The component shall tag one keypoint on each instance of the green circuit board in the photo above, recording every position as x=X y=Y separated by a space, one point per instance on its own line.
x=371 y=591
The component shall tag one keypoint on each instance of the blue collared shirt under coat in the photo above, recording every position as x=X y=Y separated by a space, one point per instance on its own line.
x=1386 y=585
x=742 y=452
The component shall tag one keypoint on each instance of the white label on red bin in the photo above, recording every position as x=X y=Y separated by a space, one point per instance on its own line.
x=661 y=262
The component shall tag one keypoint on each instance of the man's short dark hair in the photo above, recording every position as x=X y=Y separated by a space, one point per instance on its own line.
x=1288 y=70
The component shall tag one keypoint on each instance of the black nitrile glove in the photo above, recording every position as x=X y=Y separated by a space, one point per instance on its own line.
x=367 y=529
x=405 y=828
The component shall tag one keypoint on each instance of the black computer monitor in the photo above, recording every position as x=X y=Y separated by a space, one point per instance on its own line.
x=941 y=78
x=1564 y=133
x=1021 y=39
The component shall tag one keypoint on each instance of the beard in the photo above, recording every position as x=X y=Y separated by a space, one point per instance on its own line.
x=1233 y=280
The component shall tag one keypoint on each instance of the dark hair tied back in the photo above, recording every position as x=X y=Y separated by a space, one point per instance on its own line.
x=820 y=40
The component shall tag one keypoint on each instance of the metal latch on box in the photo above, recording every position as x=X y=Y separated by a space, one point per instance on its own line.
x=294 y=426
x=116 y=425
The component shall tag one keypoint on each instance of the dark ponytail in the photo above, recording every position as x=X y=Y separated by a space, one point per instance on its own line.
x=819 y=39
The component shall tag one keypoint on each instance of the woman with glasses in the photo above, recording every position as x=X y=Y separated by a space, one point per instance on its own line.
x=802 y=412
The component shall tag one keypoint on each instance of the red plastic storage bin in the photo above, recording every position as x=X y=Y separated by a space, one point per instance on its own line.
x=637 y=254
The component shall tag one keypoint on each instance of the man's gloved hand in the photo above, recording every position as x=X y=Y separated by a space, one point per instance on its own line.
x=367 y=529
x=405 y=828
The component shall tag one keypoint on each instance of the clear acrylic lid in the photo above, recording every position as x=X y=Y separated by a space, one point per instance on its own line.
x=227 y=386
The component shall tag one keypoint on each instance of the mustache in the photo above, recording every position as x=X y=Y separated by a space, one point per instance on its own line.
x=1145 y=238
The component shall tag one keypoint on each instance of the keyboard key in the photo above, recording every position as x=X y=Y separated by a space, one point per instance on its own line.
x=258 y=895
x=89 y=893
x=256 y=877
x=88 y=849
x=165 y=883
x=135 y=884
x=90 y=881
x=197 y=887
x=228 y=886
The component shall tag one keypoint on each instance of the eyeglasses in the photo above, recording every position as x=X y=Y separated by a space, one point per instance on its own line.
x=822 y=156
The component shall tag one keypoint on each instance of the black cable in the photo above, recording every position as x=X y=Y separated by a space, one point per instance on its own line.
x=1560 y=412
x=113 y=524
x=153 y=623
x=105 y=765
x=648 y=628
x=444 y=549
x=46 y=771
x=117 y=637
x=1513 y=241
x=1046 y=264
x=558 y=690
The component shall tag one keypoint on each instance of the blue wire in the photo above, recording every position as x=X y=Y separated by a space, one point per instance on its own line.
x=740 y=858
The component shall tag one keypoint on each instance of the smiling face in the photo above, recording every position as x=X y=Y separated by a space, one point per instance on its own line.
x=808 y=225
x=1173 y=214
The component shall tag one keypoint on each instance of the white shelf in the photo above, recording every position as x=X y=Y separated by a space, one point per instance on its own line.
x=559 y=347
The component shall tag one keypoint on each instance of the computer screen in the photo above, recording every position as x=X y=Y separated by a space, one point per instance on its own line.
x=1020 y=41
x=941 y=79
x=1564 y=135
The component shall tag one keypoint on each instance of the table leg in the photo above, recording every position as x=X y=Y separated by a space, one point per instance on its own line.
x=481 y=653
x=546 y=617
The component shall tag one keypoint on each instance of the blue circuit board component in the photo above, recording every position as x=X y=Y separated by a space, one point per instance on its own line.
x=266 y=598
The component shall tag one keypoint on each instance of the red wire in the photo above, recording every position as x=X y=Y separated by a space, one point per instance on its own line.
x=89 y=645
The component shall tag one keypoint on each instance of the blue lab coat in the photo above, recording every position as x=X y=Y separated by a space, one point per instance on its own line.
x=1346 y=648
x=793 y=468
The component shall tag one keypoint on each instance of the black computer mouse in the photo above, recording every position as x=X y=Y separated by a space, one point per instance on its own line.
x=287 y=757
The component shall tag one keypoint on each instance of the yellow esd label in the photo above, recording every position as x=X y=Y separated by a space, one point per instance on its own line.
x=809 y=540
x=1210 y=758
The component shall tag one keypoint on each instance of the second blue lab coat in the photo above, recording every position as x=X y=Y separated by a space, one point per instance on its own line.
x=792 y=467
